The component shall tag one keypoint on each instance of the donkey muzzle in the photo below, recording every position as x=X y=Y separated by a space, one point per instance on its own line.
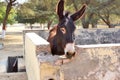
x=70 y=50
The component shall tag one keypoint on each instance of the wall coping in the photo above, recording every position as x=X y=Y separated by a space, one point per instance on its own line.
x=99 y=45
x=37 y=40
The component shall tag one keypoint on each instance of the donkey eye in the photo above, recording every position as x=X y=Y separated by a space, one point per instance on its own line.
x=63 y=30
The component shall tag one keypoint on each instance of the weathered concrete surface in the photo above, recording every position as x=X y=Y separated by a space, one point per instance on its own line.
x=13 y=76
x=97 y=36
x=92 y=62
x=42 y=33
x=48 y=69
x=31 y=62
x=36 y=68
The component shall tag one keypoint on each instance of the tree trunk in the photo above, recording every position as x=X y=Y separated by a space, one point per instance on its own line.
x=111 y=26
x=4 y=28
x=9 y=7
x=49 y=24
x=106 y=21
x=94 y=25
x=31 y=27
x=85 y=24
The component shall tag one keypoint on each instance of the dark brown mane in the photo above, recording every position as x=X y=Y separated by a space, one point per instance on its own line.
x=66 y=13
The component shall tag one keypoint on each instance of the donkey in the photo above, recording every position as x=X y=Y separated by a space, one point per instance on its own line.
x=61 y=37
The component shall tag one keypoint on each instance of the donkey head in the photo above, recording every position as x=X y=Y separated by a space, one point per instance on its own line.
x=62 y=37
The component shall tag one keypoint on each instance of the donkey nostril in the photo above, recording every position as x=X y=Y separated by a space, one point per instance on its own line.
x=70 y=54
x=67 y=53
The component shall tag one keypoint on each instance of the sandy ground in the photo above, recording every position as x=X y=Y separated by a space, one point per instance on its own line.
x=13 y=42
x=13 y=46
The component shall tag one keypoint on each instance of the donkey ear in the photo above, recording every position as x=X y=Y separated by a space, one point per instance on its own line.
x=79 y=13
x=60 y=9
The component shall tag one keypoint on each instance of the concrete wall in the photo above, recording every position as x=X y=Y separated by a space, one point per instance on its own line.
x=97 y=36
x=38 y=70
x=42 y=33
x=88 y=36
x=31 y=62
x=92 y=62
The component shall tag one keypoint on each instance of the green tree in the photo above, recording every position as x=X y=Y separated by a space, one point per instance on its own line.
x=97 y=9
x=108 y=15
x=26 y=14
x=46 y=12
x=41 y=11
x=12 y=15
x=2 y=11
x=7 y=15
x=101 y=10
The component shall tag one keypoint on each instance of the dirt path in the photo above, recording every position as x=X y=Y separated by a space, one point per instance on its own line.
x=13 y=46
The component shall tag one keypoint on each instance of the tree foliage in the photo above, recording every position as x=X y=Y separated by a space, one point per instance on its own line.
x=43 y=11
x=11 y=17
x=101 y=10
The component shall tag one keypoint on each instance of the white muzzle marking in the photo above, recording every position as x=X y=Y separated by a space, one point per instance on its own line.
x=69 y=48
